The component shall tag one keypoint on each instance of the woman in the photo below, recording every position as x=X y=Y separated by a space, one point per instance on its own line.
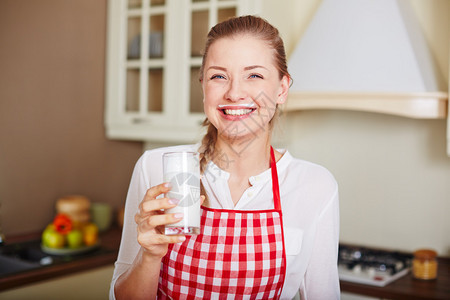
x=275 y=218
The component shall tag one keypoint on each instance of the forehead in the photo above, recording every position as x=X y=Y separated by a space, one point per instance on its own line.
x=241 y=50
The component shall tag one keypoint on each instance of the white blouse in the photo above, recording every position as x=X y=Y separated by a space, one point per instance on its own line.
x=310 y=208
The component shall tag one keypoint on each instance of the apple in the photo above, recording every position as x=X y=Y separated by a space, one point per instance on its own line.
x=52 y=238
x=75 y=238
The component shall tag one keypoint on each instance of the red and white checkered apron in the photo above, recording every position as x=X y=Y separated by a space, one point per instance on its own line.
x=237 y=255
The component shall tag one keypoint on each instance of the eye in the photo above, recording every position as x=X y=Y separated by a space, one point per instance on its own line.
x=217 y=76
x=256 y=76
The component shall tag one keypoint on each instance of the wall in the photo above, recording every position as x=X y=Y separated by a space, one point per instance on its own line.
x=52 y=141
x=393 y=172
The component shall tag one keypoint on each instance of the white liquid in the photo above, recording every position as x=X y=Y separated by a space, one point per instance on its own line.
x=183 y=172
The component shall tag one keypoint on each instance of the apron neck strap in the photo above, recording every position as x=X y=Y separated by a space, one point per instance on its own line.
x=275 y=186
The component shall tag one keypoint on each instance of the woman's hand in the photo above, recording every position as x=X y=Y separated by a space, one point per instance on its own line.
x=151 y=220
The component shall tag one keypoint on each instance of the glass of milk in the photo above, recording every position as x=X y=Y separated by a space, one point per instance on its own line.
x=182 y=171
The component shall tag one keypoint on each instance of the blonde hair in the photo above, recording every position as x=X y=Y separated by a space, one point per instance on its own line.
x=256 y=27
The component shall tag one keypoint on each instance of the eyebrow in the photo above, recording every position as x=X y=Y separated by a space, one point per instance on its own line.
x=254 y=67
x=217 y=68
x=245 y=69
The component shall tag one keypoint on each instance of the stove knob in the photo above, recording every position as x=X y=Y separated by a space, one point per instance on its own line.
x=357 y=254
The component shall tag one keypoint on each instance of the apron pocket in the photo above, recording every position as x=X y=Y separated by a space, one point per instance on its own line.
x=293 y=240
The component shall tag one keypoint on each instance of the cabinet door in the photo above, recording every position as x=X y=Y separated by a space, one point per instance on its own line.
x=136 y=67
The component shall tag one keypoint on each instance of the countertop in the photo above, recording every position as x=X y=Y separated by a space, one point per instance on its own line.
x=107 y=255
x=408 y=288
x=404 y=288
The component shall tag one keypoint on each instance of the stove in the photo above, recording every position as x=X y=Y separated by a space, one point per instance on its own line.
x=373 y=267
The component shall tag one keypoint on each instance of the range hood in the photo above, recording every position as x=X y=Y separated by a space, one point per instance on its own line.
x=367 y=55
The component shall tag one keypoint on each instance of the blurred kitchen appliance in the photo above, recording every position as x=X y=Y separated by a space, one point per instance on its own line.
x=370 y=266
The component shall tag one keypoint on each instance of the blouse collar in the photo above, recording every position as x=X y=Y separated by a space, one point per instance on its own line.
x=214 y=170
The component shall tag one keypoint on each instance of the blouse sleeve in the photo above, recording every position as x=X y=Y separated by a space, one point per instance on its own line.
x=147 y=173
x=129 y=247
x=321 y=279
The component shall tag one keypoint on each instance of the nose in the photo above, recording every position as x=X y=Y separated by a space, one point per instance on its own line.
x=235 y=91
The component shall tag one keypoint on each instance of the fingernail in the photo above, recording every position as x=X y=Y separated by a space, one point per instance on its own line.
x=167 y=184
x=174 y=201
x=181 y=238
x=178 y=216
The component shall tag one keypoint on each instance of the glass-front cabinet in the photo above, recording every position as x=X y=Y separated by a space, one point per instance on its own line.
x=154 y=51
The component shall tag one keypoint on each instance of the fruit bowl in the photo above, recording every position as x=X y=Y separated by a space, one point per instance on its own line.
x=69 y=251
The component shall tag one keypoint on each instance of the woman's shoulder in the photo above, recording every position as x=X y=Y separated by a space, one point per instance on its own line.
x=308 y=187
x=311 y=171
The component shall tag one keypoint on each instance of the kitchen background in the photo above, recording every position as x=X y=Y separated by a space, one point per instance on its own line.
x=53 y=142
x=393 y=172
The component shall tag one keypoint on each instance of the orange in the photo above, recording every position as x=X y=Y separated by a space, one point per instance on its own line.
x=90 y=234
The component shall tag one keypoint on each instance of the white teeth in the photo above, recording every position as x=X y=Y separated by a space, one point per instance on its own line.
x=237 y=112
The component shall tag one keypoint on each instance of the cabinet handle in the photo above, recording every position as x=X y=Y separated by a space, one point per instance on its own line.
x=140 y=120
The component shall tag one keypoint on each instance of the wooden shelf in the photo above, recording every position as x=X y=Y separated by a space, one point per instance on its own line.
x=411 y=105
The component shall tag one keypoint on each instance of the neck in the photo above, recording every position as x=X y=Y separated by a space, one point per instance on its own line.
x=243 y=158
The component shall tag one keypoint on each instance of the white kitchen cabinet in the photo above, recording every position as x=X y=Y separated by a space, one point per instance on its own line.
x=153 y=59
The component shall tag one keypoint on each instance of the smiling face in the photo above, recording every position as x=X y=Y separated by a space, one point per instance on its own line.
x=242 y=86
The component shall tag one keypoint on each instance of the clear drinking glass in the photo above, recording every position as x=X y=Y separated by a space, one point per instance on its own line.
x=182 y=171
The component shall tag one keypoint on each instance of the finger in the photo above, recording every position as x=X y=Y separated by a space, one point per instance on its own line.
x=157 y=204
x=149 y=240
x=164 y=219
x=173 y=239
x=142 y=217
x=156 y=190
x=160 y=239
x=152 y=222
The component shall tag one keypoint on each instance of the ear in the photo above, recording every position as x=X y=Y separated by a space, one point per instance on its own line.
x=284 y=89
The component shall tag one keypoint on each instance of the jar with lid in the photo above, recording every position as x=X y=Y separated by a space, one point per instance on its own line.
x=425 y=264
